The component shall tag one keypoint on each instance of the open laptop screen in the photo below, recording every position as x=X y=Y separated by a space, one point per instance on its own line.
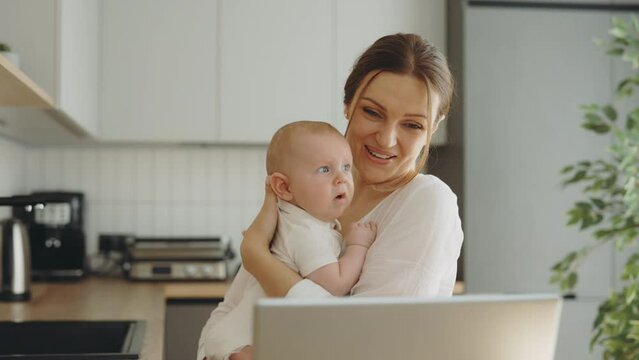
x=475 y=327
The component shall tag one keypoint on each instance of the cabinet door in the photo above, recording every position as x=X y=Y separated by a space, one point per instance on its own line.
x=78 y=61
x=527 y=71
x=360 y=22
x=158 y=70
x=28 y=27
x=276 y=66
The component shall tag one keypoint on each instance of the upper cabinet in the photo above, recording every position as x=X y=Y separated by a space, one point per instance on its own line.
x=288 y=60
x=196 y=71
x=159 y=71
x=276 y=66
x=58 y=46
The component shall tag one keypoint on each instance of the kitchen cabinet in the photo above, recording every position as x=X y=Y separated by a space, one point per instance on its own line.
x=276 y=66
x=159 y=71
x=305 y=55
x=58 y=46
x=185 y=319
x=358 y=29
x=522 y=125
x=523 y=89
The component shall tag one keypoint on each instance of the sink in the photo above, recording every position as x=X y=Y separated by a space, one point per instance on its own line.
x=43 y=340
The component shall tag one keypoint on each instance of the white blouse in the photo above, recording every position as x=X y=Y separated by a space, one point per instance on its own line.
x=419 y=237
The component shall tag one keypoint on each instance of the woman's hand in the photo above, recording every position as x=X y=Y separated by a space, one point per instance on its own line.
x=260 y=233
x=273 y=275
x=245 y=354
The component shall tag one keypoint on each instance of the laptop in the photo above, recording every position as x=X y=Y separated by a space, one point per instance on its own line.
x=477 y=327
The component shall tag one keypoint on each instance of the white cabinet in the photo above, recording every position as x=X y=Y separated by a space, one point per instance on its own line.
x=159 y=70
x=201 y=71
x=276 y=66
x=360 y=22
x=57 y=43
x=288 y=60
x=523 y=89
x=78 y=66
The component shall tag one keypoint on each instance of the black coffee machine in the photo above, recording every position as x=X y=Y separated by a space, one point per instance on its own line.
x=56 y=235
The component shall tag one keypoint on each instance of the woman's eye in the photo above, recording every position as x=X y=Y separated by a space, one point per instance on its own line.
x=371 y=112
x=347 y=167
x=323 y=169
x=414 y=126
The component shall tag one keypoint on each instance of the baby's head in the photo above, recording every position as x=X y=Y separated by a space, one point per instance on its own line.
x=309 y=163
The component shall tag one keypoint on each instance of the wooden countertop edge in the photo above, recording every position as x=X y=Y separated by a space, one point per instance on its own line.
x=216 y=290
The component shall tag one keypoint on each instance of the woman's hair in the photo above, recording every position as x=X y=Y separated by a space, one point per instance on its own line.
x=407 y=54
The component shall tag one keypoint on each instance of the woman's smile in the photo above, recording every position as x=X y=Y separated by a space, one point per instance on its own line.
x=389 y=127
x=379 y=156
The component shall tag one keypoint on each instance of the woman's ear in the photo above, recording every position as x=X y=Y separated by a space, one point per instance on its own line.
x=346 y=114
x=437 y=122
x=280 y=185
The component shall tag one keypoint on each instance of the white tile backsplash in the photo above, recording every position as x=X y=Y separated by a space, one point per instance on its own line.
x=149 y=191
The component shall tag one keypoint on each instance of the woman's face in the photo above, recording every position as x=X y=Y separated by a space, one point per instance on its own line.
x=388 y=127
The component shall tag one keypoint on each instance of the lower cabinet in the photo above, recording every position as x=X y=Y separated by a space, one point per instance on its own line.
x=575 y=328
x=184 y=322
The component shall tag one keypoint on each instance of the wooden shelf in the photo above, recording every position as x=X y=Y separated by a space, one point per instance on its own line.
x=18 y=90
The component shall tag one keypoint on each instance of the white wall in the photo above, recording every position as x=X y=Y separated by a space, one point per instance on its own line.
x=11 y=174
x=161 y=191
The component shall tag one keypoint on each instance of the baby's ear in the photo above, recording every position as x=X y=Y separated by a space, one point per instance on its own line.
x=279 y=184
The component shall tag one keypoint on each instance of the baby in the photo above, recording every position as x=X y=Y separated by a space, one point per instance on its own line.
x=309 y=167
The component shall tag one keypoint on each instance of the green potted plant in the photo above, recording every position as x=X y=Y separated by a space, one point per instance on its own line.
x=5 y=50
x=610 y=203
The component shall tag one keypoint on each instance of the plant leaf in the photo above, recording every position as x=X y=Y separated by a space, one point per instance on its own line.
x=618 y=32
x=579 y=175
x=633 y=120
x=610 y=112
x=598 y=128
x=615 y=51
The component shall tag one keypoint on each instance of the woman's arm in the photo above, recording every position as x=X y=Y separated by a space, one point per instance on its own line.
x=232 y=298
x=273 y=275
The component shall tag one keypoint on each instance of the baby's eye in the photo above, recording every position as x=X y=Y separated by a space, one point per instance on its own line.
x=347 y=167
x=323 y=169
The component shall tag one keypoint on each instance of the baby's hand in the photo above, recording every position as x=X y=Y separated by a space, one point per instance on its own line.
x=362 y=234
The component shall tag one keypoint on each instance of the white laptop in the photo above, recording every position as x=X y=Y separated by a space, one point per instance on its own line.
x=477 y=327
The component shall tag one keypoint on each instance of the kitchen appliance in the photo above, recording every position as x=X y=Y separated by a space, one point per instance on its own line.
x=56 y=234
x=178 y=258
x=15 y=265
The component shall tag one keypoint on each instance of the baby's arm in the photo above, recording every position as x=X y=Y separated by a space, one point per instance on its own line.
x=338 y=278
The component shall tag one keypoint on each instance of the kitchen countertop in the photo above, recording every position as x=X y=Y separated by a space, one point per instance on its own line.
x=208 y=290
x=115 y=299
x=97 y=299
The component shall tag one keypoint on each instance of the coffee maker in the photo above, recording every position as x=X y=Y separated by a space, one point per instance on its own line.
x=56 y=236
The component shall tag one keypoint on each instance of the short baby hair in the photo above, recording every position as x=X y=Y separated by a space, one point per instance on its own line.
x=280 y=147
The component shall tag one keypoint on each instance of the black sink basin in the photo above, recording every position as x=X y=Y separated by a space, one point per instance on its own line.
x=40 y=340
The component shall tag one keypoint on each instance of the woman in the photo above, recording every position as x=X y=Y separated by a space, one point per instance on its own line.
x=398 y=92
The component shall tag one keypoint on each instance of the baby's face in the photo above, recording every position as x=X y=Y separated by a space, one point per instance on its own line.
x=320 y=175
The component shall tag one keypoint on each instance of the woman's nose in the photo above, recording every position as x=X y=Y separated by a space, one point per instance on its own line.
x=387 y=136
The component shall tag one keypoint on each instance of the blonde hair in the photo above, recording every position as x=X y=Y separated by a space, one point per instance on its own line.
x=281 y=143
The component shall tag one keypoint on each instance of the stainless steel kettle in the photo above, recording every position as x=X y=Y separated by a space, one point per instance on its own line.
x=15 y=254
